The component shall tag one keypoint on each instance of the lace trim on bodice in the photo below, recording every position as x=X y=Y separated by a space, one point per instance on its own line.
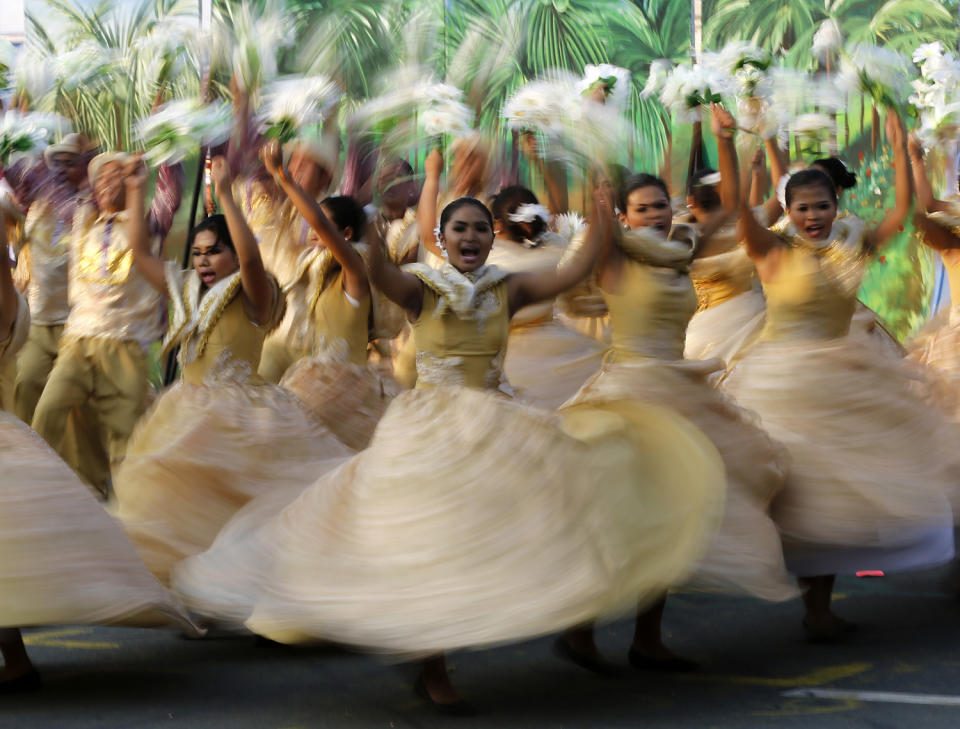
x=438 y=371
x=228 y=370
x=470 y=296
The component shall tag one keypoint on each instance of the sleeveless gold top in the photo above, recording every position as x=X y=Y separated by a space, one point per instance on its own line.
x=722 y=277
x=212 y=327
x=655 y=299
x=814 y=294
x=324 y=320
x=461 y=333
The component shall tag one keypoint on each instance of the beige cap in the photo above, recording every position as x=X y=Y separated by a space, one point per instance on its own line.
x=97 y=163
x=74 y=144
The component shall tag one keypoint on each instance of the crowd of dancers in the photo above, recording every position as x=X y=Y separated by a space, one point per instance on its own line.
x=463 y=418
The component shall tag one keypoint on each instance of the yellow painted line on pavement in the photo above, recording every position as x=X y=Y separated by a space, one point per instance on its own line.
x=813 y=678
x=803 y=708
x=55 y=639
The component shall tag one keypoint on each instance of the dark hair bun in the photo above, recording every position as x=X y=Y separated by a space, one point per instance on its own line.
x=842 y=177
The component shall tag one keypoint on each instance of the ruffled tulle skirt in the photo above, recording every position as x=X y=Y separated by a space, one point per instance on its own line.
x=62 y=558
x=346 y=398
x=727 y=330
x=746 y=554
x=470 y=520
x=872 y=465
x=202 y=452
x=722 y=331
x=938 y=347
x=547 y=363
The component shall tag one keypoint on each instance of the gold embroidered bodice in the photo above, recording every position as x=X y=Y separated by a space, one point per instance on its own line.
x=322 y=319
x=234 y=336
x=722 y=277
x=462 y=342
x=336 y=319
x=212 y=327
x=814 y=293
x=655 y=299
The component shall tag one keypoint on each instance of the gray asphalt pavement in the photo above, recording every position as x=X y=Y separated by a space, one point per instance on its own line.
x=754 y=663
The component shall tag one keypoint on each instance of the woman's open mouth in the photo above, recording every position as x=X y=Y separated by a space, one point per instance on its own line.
x=208 y=277
x=470 y=254
x=815 y=230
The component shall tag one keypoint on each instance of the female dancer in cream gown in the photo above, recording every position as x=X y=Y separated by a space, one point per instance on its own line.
x=864 y=320
x=730 y=305
x=939 y=221
x=871 y=467
x=471 y=519
x=646 y=282
x=62 y=558
x=546 y=361
x=333 y=379
x=220 y=436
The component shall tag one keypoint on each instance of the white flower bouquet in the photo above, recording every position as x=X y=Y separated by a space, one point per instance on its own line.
x=179 y=127
x=882 y=74
x=936 y=97
x=614 y=80
x=248 y=41
x=27 y=134
x=689 y=88
x=292 y=103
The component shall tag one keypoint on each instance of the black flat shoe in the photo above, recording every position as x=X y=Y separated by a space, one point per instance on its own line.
x=598 y=666
x=828 y=635
x=22 y=684
x=676 y=664
x=453 y=708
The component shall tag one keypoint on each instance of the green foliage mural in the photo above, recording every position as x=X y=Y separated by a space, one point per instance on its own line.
x=489 y=48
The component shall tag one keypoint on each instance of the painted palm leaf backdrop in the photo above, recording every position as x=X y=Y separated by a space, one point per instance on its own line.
x=488 y=49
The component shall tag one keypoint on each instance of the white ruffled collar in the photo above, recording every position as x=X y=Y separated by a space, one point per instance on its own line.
x=194 y=313
x=459 y=292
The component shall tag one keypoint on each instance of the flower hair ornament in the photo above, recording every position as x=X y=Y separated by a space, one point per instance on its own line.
x=529 y=212
x=712 y=179
x=436 y=237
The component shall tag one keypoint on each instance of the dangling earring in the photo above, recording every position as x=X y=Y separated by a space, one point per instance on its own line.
x=439 y=241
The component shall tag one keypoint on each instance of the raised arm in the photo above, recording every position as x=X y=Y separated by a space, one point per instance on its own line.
x=257 y=288
x=556 y=195
x=758 y=240
x=528 y=288
x=925 y=197
x=404 y=289
x=427 y=207
x=904 y=190
x=138 y=233
x=722 y=124
x=778 y=168
x=759 y=183
x=354 y=272
x=8 y=293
